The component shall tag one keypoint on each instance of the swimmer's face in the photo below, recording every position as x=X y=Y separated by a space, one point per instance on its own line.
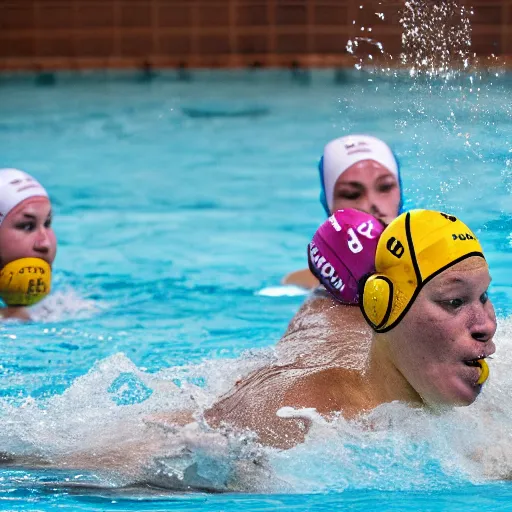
x=450 y=325
x=27 y=232
x=369 y=187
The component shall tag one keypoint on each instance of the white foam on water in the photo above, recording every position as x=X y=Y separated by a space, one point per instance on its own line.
x=64 y=305
x=283 y=291
x=89 y=427
x=394 y=447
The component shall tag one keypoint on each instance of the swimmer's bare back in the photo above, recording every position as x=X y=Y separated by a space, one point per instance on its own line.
x=255 y=402
x=320 y=358
x=326 y=332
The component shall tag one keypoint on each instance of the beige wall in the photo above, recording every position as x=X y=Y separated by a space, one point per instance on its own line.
x=125 y=33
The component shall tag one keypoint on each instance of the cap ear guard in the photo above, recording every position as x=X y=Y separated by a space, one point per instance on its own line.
x=376 y=300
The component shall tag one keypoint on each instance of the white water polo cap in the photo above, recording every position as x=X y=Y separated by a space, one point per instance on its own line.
x=342 y=153
x=15 y=187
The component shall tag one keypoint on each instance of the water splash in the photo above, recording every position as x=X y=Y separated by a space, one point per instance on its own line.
x=436 y=42
x=436 y=37
x=507 y=173
x=64 y=305
x=368 y=51
x=391 y=448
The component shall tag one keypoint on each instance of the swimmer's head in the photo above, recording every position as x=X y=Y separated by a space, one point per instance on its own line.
x=25 y=219
x=428 y=300
x=343 y=250
x=361 y=172
x=414 y=248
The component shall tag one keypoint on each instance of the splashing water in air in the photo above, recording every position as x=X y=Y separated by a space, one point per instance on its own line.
x=436 y=37
x=432 y=52
x=363 y=41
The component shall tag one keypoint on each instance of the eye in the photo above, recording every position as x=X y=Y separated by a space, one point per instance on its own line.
x=386 y=187
x=26 y=226
x=484 y=297
x=453 y=303
x=48 y=223
x=345 y=194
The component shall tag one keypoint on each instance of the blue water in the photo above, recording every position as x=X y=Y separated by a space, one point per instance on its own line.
x=170 y=223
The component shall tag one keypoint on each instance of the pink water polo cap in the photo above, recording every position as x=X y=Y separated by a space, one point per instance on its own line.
x=343 y=251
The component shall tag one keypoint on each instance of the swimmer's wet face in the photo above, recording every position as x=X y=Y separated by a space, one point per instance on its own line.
x=369 y=187
x=448 y=328
x=27 y=232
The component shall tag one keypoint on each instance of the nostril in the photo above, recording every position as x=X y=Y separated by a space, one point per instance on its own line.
x=480 y=336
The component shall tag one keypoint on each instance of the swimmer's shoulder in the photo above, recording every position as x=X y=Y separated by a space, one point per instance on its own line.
x=302 y=278
x=253 y=406
x=319 y=315
x=328 y=391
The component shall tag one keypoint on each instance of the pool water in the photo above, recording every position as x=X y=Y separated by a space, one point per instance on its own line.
x=179 y=206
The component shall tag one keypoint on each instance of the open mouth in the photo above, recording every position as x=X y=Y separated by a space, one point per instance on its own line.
x=474 y=362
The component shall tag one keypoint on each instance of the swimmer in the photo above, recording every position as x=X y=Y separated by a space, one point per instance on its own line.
x=27 y=243
x=433 y=326
x=360 y=172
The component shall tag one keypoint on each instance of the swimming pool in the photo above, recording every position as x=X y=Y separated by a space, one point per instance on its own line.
x=170 y=225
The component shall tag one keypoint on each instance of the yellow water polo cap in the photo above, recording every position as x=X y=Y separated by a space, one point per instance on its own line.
x=414 y=248
x=25 y=282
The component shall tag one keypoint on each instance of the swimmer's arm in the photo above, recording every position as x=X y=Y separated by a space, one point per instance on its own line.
x=130 y=455
x=303 y=278
x=15 y=313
